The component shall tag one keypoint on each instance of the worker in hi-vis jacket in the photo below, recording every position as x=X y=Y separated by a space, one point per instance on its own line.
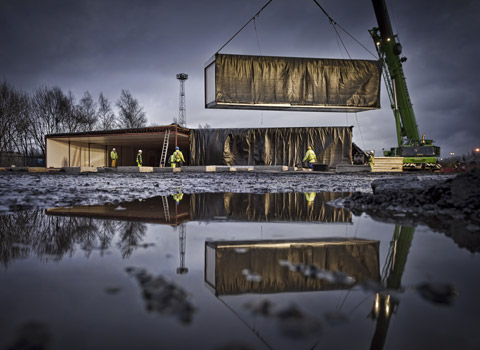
x=310 y=157
x=139 y=158
x=179 y=160
x=114 y=157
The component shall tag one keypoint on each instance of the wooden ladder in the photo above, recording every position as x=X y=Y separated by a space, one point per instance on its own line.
x=166 y=209
x=163 y=157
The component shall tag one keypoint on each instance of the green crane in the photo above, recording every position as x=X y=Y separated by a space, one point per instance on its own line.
x=418 y=153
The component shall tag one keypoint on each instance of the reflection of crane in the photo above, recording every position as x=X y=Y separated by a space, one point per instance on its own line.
x=392 y=273
x=182 y=244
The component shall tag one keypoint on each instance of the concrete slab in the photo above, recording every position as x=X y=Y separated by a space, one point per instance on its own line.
x=36 y=169
x=223 y=168
x=127 y=169
x=18 y=168
x=241 y=168
x=163 y=170
x=88 y=169
x=193 y=168
x=347 y=168
x=271 y=168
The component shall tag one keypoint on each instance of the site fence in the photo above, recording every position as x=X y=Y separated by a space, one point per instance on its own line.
x=19 y=160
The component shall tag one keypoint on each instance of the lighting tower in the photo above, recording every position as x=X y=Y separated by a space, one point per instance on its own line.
x=182 y=243
x=182 y=113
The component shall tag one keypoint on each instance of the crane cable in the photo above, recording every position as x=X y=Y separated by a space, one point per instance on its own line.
x=334 y=24
x=251 y=19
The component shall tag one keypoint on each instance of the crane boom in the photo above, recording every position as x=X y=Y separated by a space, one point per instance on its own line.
x=417 y=152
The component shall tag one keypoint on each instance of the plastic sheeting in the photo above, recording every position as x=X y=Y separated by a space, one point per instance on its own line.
x=270 y=146
x=269 y=207
x=291 y=83
x=226 y=262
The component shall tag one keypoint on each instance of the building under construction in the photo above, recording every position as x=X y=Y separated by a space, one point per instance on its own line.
x=231 y=146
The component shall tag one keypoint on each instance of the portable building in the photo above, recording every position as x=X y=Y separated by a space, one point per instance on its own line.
x=92 y=148
x=292 y=83
x=270 y=146
x=233 y=146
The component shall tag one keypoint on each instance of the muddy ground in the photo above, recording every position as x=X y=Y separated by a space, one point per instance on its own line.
x=446 y=203
x=451 y=206
x=19 y=191
x=24 y=190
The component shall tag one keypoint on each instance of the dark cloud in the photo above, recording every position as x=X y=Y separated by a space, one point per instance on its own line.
x=105 y=46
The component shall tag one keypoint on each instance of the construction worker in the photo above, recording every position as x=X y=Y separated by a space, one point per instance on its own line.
x=310 y=157
x=114 y=157
x=172 y=160
x=139 y=158
x=371 y=160
x=178 y=157
x=177 y=197
x=310 y=197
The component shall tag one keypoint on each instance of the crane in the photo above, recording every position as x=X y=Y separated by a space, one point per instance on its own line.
x=418 y=153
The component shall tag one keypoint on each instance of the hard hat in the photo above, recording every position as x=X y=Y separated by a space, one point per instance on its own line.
x=139 y=151
x=177 y=147
x=113 y=149
x=309 y=147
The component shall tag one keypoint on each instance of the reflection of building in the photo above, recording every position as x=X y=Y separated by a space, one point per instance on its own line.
x=160 y=210
x=269 y=207
x=225 y=263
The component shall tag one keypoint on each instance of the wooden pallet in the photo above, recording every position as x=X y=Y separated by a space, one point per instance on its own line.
x=388 y=164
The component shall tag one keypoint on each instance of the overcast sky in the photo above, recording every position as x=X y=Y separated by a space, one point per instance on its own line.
x=110 y=45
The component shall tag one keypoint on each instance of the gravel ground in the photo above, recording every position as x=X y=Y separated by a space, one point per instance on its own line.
x=20 y=191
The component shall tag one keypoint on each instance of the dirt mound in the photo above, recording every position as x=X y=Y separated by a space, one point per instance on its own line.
x=451 y=206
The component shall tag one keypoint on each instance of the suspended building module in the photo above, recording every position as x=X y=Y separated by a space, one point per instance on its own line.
x=291 y=83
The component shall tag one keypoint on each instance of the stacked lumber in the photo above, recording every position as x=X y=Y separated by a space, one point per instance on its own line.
x=388 y=164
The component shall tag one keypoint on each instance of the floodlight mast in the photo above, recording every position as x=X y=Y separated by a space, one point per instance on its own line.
x=182 y=112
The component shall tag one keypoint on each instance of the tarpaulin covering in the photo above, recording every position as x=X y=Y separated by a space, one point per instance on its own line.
x=227 y=261
x=292 y=83
x=269 y=207
x=270 y=146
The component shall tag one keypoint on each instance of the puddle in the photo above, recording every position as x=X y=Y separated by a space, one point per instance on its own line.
x=231 y=271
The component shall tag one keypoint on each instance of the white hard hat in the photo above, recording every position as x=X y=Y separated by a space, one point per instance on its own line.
x=113 y=149
x=139 y=151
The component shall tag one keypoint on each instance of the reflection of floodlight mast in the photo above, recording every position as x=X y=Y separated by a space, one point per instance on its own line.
x=182 y=113
x=182 y=242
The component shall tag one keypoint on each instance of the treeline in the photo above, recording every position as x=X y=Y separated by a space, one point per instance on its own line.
x=25 y=119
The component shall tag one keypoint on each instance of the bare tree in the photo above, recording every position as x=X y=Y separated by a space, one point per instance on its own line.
x=14 y=120
x=131 y=114
x=106 y=117
x=52 y=112
x=7 y=116
x=86 y=113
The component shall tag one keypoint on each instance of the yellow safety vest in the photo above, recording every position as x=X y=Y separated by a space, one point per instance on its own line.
x=310 y=156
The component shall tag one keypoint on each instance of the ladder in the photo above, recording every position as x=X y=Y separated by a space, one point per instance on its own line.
x=163 y=157
x=166 y=209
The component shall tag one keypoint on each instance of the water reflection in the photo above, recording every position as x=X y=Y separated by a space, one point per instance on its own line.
x=50 y=238
x=62 y=230
x=289 y=266
x=257 y=275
